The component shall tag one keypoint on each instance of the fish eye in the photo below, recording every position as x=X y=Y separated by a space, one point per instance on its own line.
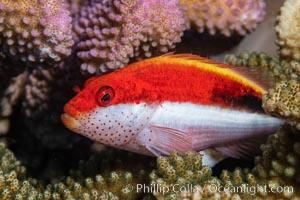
x=105 y=96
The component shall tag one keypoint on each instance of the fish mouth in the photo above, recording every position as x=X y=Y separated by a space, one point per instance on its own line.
x=70 y=122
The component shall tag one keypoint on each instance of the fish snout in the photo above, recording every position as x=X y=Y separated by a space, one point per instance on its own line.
x=70 y=109
x=70 y=122
x=68 y=117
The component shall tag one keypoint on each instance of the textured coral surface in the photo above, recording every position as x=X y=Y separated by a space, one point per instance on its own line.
x=35 y=31
x=284 y=101
x=224 y=16
x=85 y=183
x=275 y=175
x=282 y=70
x=35 y=36
x=112 y=32
x=287 y=29
x=278 y=165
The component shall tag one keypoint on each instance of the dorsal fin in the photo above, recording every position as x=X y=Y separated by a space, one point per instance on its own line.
x=188 y=56
x=260 y=76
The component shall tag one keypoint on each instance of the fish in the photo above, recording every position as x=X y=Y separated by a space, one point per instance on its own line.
x=179 y=102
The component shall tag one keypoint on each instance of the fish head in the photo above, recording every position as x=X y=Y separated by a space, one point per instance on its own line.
x=100 y=112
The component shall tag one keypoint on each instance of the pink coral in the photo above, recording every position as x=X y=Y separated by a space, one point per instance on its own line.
x=34 y=36
x=224 y=16
x=35 y=31
x=113 y=31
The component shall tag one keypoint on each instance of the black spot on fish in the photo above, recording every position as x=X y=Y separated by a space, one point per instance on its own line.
x=229 y=98
x=251 y=102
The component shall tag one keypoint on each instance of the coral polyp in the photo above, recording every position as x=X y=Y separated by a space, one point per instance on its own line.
x=284 y=101
x=224 y=16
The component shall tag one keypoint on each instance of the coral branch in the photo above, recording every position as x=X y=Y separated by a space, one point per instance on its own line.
x=281 y=69
x=113 y=31
x=114 y=185
x=284 y=101
x=224 y=16
x=287 y=29
x=35 y=31
x=9 y=98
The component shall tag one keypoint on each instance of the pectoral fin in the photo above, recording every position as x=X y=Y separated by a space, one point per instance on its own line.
x=162 y=140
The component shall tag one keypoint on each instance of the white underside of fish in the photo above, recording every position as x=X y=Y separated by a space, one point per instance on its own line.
x=193 y=127
x=179 y=126
x=208 y=125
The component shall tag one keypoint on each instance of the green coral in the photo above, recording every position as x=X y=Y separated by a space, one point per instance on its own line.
x=113 y=187
x=281 y=69
x=279 y=162
x=275 y=176
x=184 y=177
x=284 y=101
x=181 y=176
x=14 y=184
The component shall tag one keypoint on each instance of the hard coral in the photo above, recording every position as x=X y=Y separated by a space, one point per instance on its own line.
x=287 y=29
x=110 y=32
x=37 y=90
x=9 y=98
x=34 y=36
x=284 y=101
x=74 y=6
x=281 y=69
x=46 y=91
x=184 y=177
x=12 y=177
x=224 y=16
x=275 y=175
x=278 y=166
x=15 y=185
x=35 y=31
x=33 y=88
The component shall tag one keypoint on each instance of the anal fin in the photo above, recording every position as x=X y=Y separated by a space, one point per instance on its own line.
x=242 y=148
x=211 y=157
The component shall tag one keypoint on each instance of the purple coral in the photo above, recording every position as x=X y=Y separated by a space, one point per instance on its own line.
x=113 y=31
x=35 y=31
x=34 y=35
x=37 y=90
x=224 y=16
